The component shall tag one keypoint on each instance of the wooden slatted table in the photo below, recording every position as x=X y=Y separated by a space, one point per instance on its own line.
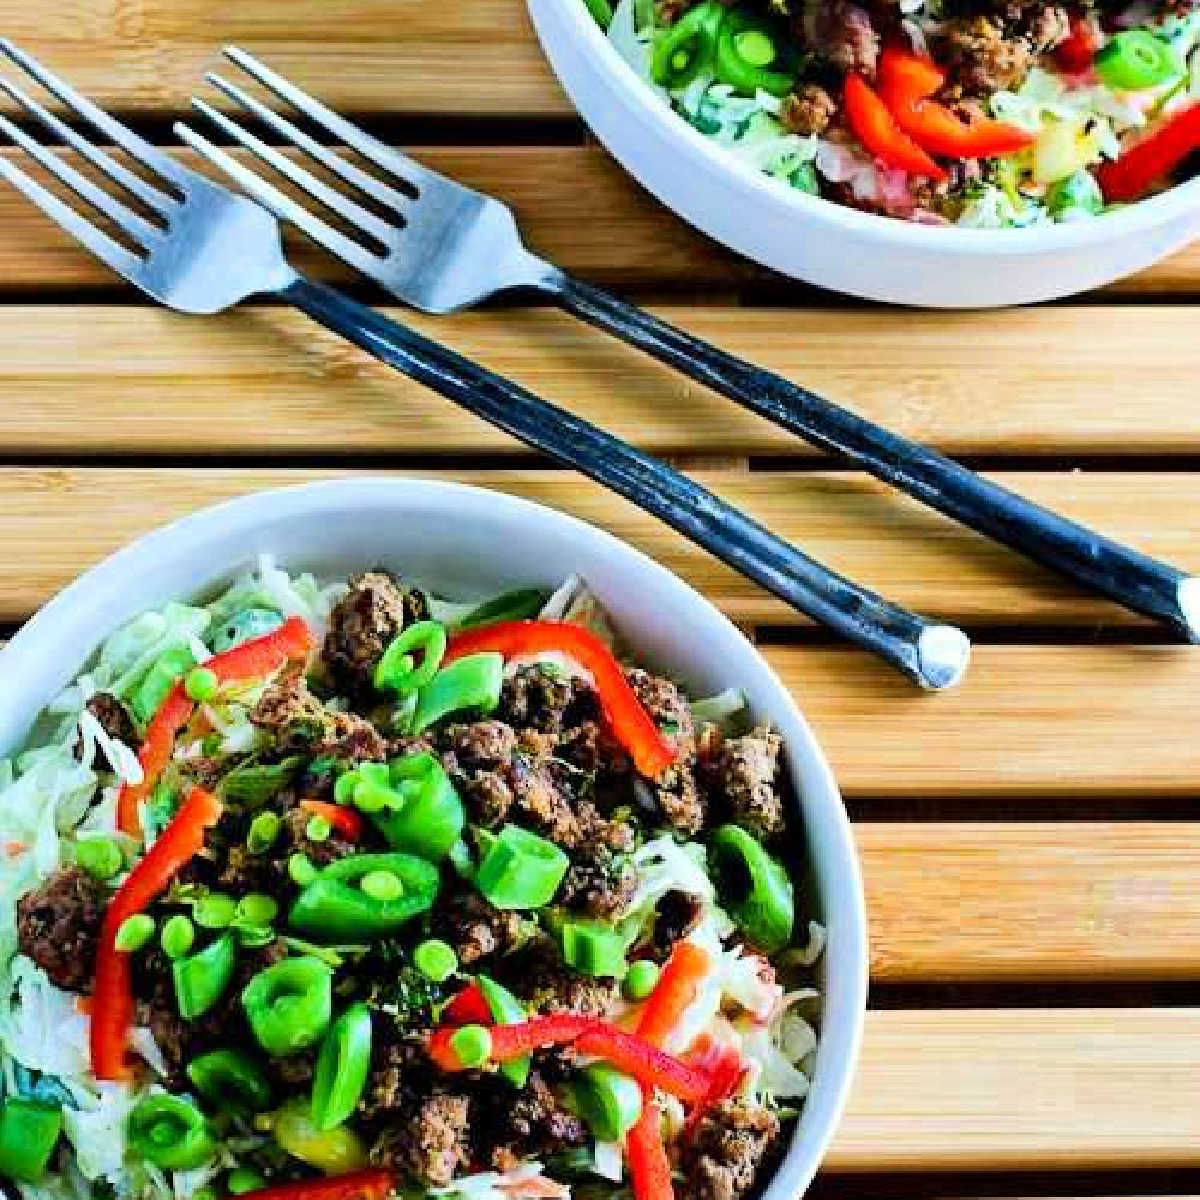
x=1032 y=874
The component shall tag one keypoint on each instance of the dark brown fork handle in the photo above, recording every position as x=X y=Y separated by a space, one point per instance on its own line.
x=933 y=655
x=1130 y=578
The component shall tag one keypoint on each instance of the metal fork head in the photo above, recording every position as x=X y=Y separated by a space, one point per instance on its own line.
x=442 y=246
x=205 y=248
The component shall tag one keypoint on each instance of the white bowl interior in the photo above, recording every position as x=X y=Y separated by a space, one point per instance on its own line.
x=468 y=541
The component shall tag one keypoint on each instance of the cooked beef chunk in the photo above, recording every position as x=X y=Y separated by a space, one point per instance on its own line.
x=115 y=720
x=430 y=1145
x=478 y=759
x=982 y=58
x=475 y=928
x=600 y=882
x=743 y=778
x=544 y=983
x=731 y=1141
x=808 y=111
x=679 y=799
x=362 y=623
x=400 y=1069
x=299 y=721
x=666 y=704
x=1047 y=27
x=534 y=1123
x=537 y=698
x=841 y=33
x=58 y=926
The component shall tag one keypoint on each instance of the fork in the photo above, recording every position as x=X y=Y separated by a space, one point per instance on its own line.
x=447 y=247
x=209 y=248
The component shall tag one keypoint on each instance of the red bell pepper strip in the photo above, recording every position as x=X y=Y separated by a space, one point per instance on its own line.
x=376 y=1183
x=1077 y=51
x=345 y=820
x=630 y=723
x=906 y=81
x=1153 y=158
x=876 y=128
x=112 y=996
x=291 y=642
x=675 y=990
x=650 y=1066
x=512 y=1041
x=649 y=1167
x=468 y=1008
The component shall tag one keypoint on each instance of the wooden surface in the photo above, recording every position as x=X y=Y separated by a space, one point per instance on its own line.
x=1030 y=842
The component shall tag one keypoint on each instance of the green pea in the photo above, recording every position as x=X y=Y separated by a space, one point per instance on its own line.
x=473 y=1045
x=242 y=1179
x=177 y=937
x=201 y=684
x=214 y=910
x=257 y=909
x=435 y=960
x=99 y=857
x=318 y=829
x=640 y=979
x=301 y=871
x=134 y=933
x=382 y=886
x=263 y=832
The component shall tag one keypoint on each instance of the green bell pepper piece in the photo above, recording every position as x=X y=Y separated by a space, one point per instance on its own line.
x=594 y=948
x=201 y=979
x=609 y=1101
x=506 y=1009
x=689 y=47
x=231 y=1079
x=431 y=816
x=289 y=1005
x=160 y=679
x=520 y=869
x=342 y=1068
x=29 y=1131
x=472 y=683
x=170 y=1132
x=755 y=888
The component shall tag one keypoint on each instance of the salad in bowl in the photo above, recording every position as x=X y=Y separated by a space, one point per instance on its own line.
x=334 y=888
x=988 y=114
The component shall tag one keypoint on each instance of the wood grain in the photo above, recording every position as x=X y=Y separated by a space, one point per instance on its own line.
x=1027 y=722
x=986 y=901
x=855 y=524
x=575 y=205
x=266 y=381
x=1020 y=1089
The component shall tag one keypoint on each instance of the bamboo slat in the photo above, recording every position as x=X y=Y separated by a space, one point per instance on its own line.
x=855 y=524
x=266 y=381
x=575 y=205
x=1080 y=901
x=1024 y=1089
x=1027 y=722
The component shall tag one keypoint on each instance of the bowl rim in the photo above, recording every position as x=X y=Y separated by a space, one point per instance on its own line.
x=78 y=609
x=1140 y=216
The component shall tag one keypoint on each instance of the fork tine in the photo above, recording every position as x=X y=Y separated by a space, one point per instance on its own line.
x=381 y=155
x=330 y=197
x=81 y=185
x=96 y=240
x=142 y=150
x=346 y=171
x=286 y=209
x=157 y=200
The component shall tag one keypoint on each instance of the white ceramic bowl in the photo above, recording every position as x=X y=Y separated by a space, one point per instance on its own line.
x=828 y=244
x=468 y=541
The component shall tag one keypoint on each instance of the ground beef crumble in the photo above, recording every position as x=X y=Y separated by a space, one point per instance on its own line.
x=58 y=926
x=731 y=1144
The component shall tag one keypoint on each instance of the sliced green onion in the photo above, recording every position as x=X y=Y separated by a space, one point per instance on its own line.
x=170 y=1132
x=506 y=1009
x=256 y=908
x=318 y=829
x=382 y=885
x=300 y=870
x=1135 y=60
x=134 y=932
x=289 y=1005
x=101 y=858
x=263 y=832
x=470 y=684
x=435 y=960
x=201 y=684
x=521 y=870
x=232 y=1079
x=608 y=1101
x=214 y=910
x=201 y=979
x=472 y=1044
x=594 y=948
x=396 y=670
x=177 y=936
x=342 y=1068
x=640 y=979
